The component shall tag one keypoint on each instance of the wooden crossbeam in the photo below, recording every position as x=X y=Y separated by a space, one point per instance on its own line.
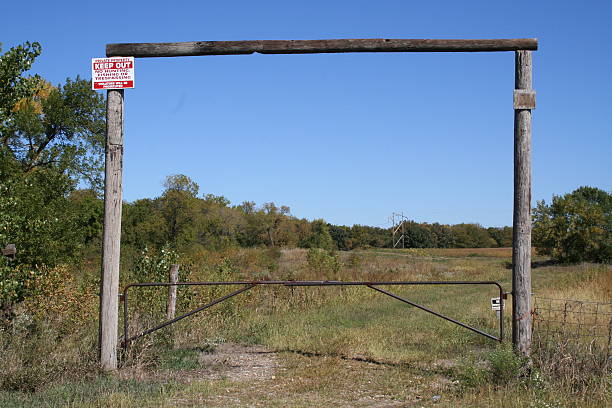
x=193 y=48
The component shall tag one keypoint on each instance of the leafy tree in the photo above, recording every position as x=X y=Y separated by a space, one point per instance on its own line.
x=50 y=138
x=442 y=235
x=363 y=236
x=472 y=236
x=143 y=225
x=418 y=236
x=341 y=235
x=218 y=200
x=575 y=227
x=61 y=127
x=326 y=264
x=179 y=208
x=219 y=223
x=501 y=235
x=88 y=215
x=180 y=182
x=52 y=127
x=14 y=86
x=36 y=216
x=272 y=218
x=251 y=231
x=319 y=236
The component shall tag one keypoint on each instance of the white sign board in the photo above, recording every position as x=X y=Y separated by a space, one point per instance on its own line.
x=112 y=73
x=496 y=303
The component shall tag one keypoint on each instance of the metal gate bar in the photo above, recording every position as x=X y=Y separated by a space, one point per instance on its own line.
x=251 y=284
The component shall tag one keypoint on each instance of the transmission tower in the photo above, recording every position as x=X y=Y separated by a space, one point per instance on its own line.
x=398 y=230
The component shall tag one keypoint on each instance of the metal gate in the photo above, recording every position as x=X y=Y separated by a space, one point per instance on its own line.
x=247 y=285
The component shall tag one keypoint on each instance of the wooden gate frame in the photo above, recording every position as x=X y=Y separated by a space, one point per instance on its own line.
x=524 y=102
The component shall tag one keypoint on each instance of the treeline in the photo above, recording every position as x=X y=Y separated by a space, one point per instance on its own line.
x=422 y=235
x=186 y=221
x=183 y=219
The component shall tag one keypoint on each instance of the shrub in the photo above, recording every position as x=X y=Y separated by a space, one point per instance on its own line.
x=506 y=365
x=326 y=264
x=53 y=335
x=55 y=296
x=502 y=366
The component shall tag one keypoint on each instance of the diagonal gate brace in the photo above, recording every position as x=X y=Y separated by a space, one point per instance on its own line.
x=128 y=340
x=450 y=319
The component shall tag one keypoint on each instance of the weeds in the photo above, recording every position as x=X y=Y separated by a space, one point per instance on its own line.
x=50 y=352
x=501 y=366
x=325 y=264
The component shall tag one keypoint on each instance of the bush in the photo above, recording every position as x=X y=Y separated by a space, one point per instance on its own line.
x=506 y=365
x=502 y=366
x=326 y=264
x=53 y=335
x=55 y=296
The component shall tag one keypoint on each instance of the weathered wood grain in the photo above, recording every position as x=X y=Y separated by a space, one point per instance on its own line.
x=192 y=48
x=521 y=239
x=109 y=293
x=524 y=99
x=171 y=303
x=10 y=250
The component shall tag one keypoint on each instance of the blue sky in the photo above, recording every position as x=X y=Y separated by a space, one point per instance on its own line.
x=347 y=137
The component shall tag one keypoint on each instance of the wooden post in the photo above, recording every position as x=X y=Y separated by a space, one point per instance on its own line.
x=171 y=304
x=109 y=285
x=524 y=101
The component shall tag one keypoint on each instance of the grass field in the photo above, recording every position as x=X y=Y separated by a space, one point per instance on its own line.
x=329 y=346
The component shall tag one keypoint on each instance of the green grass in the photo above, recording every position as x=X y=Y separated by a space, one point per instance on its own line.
x=348 y=347
x=182 y=359
x=104 y=391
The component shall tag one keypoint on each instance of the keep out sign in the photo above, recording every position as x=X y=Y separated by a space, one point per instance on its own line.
x=112 y=73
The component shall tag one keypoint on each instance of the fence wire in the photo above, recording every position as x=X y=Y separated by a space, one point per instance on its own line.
x=572 y=336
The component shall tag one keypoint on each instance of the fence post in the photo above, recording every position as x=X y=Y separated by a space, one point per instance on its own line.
x=524 y=101
x=171 y=304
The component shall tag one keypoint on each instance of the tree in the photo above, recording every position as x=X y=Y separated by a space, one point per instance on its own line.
x=340 y=234
x=442 y=234
x=143 y=224
x=272 y=219
x=50 y=139
x=575 y=227
x=501 y=235
x=14 y=86
x=472 y=236
x=37 y=216
x=181 y=182
x=251 y=231
x=319 y=236
x=418 y=236
x=179 y=208
x=61 y=127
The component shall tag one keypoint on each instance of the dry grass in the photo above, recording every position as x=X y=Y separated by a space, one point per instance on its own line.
x=586 y=282
x=463 y=252
x=336 y=346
